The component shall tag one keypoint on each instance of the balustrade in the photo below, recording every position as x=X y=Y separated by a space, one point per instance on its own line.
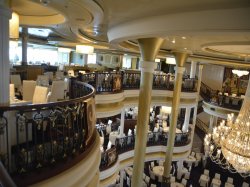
x=127 y=143
x=34 y=137
x=114 y=82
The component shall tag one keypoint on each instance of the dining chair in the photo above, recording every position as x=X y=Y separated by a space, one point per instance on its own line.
x=12 y=91
x=16 y=80
x=57 y=91
x=40 y=95
x=28 y=89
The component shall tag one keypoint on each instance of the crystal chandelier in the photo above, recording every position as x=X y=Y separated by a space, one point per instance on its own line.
x=229 y=144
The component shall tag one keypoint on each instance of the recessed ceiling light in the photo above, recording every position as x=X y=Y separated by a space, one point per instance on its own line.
x=173 y=41
x=184 y=37
x=185 y=48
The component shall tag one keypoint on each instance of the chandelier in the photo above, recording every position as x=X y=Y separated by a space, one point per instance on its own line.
x=240 y=72
x=228 y=145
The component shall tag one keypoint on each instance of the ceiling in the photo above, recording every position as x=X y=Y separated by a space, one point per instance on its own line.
x=218 y=29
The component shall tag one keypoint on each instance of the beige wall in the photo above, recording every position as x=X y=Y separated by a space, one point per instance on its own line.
x=212 y=75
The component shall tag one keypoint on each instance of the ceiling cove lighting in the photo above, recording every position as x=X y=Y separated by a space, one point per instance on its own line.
x=14 y=26
x=228 y=145
x=240 y=73
x=85 y=49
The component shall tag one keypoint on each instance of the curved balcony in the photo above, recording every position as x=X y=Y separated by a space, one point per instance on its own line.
x=121 y=154
x=40 y=141
x=116 y=90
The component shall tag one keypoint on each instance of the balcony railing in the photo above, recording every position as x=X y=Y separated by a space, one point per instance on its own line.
x=127 y=143
x=113 y=82
x=43 y=137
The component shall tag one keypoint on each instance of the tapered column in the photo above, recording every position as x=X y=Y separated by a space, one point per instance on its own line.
x=193 y=69
x=187 y=119
x=149 y=48
x=211 y=123
x=180 y=61
x=122 y=123
x=5 y=15
x=24 y=45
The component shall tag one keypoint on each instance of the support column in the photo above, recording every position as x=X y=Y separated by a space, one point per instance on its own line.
x=5 y=15
x=25 y=37
x=193 y=69
x=179 y=169
x=215 y=120
x=211 y=123
x=187 y=119
x=180 y=61
x=122 y=123
x=149 y=48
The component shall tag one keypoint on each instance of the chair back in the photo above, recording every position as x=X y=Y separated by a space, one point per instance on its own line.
x=50 y=75
x=184 y=182
x=40 y=95
x=42 y=80
x=57 y=91
x=230 y=180
x=206 y=172
x=28 y=89
x=60 y=75
x=12 y=91
x=16 y=80
x=71 y=73
x=217 y=176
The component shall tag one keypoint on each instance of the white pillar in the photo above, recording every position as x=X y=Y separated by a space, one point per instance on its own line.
x=5 y=15
x=187 y=119
x=122 y=173
x=122 y=123
x=179 y=169
x=193 y=69
x=194 y=116
x=215 y=120
x=211 y=123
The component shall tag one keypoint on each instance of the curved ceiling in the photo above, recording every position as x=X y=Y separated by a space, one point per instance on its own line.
x=214 y=28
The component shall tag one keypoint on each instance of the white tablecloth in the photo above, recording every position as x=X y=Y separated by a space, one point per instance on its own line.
x=158 y=170
x=166 y=129
x=189 y=160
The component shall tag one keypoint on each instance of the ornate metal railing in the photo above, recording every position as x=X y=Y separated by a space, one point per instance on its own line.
x=108 y=158
x=201 y=125
x=114 y=82
x=206 y=92
x=36 y=137
x=127 y=143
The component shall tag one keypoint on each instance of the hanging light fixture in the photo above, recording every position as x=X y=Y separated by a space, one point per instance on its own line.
x=240 y=73
x=229 y=144
x=14 y=26
x=85 y=49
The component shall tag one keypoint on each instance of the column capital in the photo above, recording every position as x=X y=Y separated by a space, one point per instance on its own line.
x=147 y=66
x=179 y=69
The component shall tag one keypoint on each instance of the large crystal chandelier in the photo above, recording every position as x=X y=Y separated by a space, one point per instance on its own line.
x=229 y=144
